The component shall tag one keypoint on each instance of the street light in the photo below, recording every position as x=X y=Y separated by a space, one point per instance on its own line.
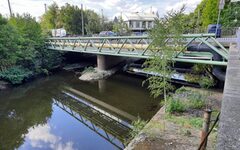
x=221 y=7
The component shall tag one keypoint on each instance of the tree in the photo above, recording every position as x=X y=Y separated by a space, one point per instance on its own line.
x=31 y=40
x=230 y=15
x=120 y=27
x=93 y=22
x=49 y=20
x=70 y=19
x=210 y=12
x=108 y=26
x=22 y=49
x=169 y=26
x=9 y=48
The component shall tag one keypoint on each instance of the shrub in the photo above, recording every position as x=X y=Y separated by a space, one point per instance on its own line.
x=138 y=125
x=175 y=105
x=88 y=69
x=15 y=74
x=196 y=100
x=206 y=82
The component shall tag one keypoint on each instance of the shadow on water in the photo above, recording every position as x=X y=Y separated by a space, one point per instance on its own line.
x=61 y=112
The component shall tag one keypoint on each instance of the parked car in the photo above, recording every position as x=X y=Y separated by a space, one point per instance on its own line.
x=107 y=33
x=212 y=28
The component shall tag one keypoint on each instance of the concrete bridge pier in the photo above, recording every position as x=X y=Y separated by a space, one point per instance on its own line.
x=107 y=62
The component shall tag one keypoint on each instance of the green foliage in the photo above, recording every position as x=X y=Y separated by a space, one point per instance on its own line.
x=209 y=12
x=175 y=106
x=93 y=22
x=195 y=122
x=15 y=74
x=185 y=99
x=201 y=75
x=49 y=20
x=206 y=82
x=22 y=49
x=9 y=48
x=69 y=17
x=120 y=27
x=171 y=24
x=138 y=125
x=230 y=15
x=88 y=69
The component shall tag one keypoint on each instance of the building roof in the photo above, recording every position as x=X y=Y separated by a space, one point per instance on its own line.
x=139 y=16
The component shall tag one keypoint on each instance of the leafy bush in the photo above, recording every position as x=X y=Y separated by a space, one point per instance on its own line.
x=138 y=125
x=185 y=99
x=175 y=105
x=16 y=74
x=196 y=100
x=88 y=69
x=206 y=82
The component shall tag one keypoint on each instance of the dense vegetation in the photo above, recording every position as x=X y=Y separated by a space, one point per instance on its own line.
x=207 y=13
x=22 y=50
x=69 y=17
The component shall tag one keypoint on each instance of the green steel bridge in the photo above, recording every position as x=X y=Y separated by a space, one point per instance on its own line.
x=140 y=47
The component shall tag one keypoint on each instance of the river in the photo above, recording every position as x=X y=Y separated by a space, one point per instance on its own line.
x=61 y=112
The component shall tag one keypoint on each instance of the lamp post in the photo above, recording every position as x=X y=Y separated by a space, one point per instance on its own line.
x=10 y=9
x=221 y=6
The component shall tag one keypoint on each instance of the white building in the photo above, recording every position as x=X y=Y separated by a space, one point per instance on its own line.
x=139 y=21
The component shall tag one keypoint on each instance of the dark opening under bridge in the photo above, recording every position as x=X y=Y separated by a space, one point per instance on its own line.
x=140 y=47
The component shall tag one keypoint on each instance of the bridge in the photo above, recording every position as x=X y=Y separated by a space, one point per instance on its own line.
x=141 y=47
x=108 y=126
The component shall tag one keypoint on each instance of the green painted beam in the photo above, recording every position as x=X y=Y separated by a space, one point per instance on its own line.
x=126 y=46
x=188 y=60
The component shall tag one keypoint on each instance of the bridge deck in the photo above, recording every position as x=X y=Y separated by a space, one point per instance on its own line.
x=229 y=133
x=142 y=47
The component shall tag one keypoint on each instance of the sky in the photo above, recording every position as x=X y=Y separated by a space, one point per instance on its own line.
x=110 y=8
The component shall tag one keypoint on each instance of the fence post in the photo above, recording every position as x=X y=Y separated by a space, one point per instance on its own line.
x=205 y=129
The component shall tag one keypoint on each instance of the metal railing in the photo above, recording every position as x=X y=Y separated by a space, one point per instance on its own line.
x=140 y=47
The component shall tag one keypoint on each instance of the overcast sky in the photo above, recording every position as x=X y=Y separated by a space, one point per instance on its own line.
x=110 y=7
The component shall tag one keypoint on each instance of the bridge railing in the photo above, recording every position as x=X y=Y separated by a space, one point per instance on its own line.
x=140 y=47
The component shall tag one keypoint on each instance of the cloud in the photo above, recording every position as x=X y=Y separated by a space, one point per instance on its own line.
x=110 y=7
x=41 y=137
x=190 y=5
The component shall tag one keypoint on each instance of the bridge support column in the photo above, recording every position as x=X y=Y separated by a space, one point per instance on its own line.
x=106 y=62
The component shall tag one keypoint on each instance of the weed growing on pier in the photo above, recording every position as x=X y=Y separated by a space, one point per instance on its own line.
x=138 y=125
x=88 y=69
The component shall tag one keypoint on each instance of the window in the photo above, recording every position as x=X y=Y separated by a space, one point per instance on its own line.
x=144 y=24
x=137 y=24
x=130 y=24
x=150 y=24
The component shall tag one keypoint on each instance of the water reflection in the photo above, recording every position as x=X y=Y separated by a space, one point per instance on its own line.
x=30 y=119
x=40 y=136
x=16 y=117
x=102 y=85
x=113 y=129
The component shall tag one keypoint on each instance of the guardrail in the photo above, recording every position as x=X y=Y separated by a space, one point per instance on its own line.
x=140 y=47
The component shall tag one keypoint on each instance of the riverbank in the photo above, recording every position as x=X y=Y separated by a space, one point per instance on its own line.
x=180 y=131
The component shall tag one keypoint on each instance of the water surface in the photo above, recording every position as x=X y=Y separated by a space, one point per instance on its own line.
x=60 y=112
